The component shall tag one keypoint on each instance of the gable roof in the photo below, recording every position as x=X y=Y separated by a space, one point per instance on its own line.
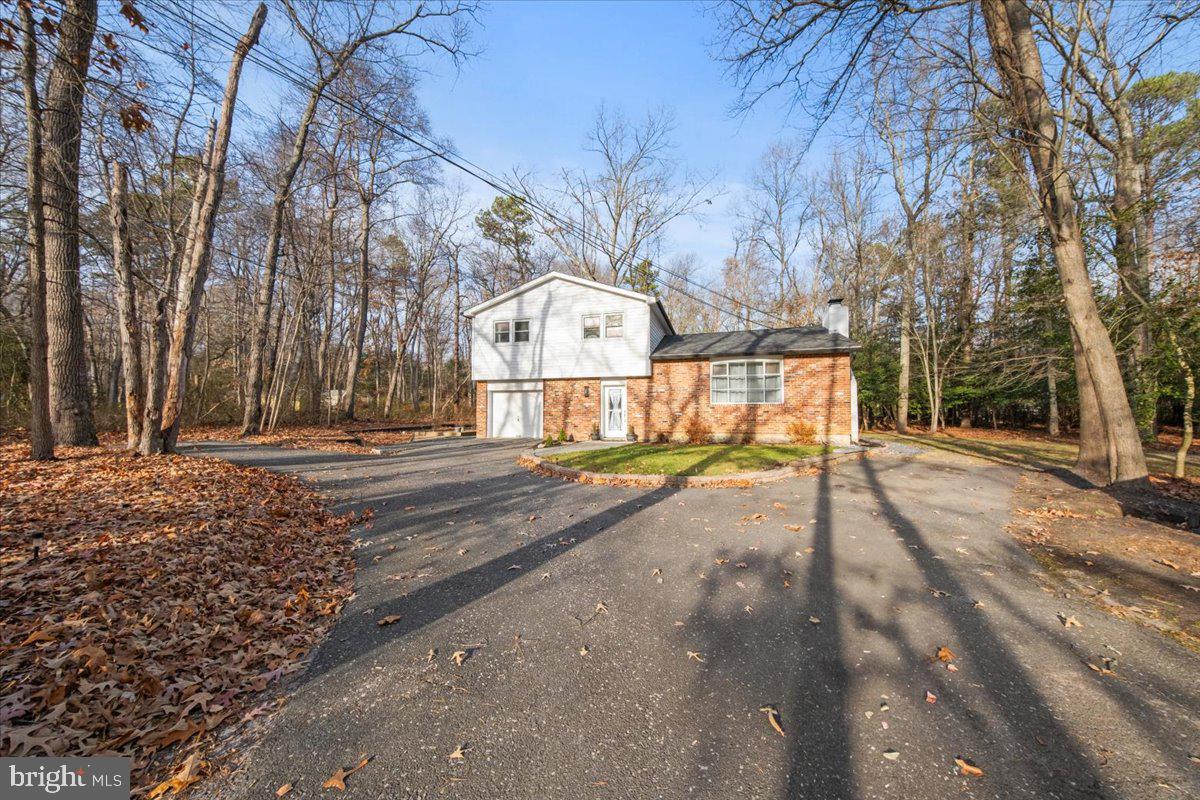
x=809 y=339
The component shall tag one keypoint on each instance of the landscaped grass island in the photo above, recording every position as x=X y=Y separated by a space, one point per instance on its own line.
x=685 y=459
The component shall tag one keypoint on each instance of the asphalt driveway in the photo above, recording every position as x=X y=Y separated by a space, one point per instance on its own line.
x=620 y=642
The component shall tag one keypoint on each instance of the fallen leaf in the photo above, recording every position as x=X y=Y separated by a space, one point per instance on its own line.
x=187 y=774
x=944 y=654
x=815 y=620
x=1069 y=621
x=793 y=528
x=891 y=755
x=773 y=717
x=459 y=753
x=388 y=620
x=967 y=768
x=282 y=790
x=338 y=779
x=779 y=506
x=1167 y=563
x=930 y=697
x=583 y=651
x=459 y=657
x=694 y=656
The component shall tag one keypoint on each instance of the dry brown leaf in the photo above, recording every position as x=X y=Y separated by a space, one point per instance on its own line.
x=282 y=790
x=967 y=768
x=459 y=753
x=388 y=620
x=793 y=528
x=930 y=697
x=773 y=717
x=459 y=657
x=944 y=654
x=187 y=774
x=338 y=779
x=1069 y=621
x=694 y=656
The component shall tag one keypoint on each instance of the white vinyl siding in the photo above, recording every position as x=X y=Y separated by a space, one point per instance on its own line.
x=556 y=348
x=749 y=382
x=658 y=327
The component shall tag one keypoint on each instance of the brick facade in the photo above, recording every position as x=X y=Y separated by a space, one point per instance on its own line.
x=675 y=399
x=674 y=402
x=565 y=408
x=481 y=409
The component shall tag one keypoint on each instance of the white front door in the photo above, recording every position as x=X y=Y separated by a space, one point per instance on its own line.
x=614 y=412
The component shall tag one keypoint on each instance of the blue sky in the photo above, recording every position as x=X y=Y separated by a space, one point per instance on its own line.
x=530 y=96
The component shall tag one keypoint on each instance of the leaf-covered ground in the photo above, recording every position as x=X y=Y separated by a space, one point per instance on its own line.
x=169 y=592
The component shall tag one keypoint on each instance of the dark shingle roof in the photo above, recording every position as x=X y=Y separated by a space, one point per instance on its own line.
x=762 y=342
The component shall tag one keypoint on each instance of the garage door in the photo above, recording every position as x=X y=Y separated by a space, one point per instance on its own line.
x=515 y=415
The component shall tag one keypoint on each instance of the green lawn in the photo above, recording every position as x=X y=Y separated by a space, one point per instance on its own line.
x=685 y=459
x=1025 y=452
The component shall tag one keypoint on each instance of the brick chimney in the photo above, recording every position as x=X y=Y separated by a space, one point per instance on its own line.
x=837 y=317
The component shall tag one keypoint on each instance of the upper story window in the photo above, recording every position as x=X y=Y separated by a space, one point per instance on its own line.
x=608 y=326
x=614 y=326
x=746 y=382
x=511 y=330
x=591 y=326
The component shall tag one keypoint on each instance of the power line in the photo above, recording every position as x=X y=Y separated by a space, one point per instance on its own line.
x=272 y=63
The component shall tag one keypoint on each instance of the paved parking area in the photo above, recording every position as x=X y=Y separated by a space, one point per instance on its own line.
x=620 y=643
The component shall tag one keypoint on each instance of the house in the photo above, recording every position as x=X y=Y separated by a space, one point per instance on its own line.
x=566 y=354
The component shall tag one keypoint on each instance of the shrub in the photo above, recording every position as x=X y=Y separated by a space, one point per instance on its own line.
x=562 y=435
x=697 y=432
x=661 y=437
x=801 y=433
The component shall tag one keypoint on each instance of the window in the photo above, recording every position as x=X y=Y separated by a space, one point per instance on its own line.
x=521 y=330
x=591 y=326
x=746 y=382
x=614 y=326
x=503 y=333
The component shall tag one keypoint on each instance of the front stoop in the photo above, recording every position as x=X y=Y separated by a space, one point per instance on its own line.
x=803 y=466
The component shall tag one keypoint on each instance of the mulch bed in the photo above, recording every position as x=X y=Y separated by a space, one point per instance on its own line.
x=169 y=594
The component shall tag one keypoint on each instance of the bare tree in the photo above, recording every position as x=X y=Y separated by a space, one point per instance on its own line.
x=606 y=222
x=41 y=435
x=62 y=122
x=206 y=202
x=419 y=23
x=129 y=326
x=1018 y=61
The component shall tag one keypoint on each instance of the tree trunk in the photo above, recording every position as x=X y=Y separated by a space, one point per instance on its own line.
x=1052 y=425
x=190 y=288
x=41 y=435
x=1092 y=461
x=1128 y=252
x=152 y=438
x=906 y=304
x=129 y=327
x=70 y=392
x=360 y=332
x=1019 y=63
x=1189 y=400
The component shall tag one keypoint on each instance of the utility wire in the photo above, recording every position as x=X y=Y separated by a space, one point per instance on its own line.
x=273 y=63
